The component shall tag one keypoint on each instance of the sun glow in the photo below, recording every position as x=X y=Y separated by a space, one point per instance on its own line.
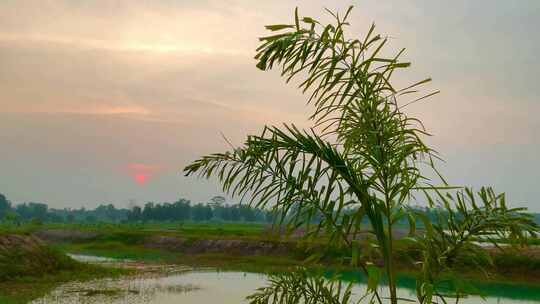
x=142 y=173
x=140 y=178
x=160 y=47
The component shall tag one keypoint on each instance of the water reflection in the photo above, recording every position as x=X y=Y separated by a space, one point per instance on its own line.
x=95 y=259
x=182 y=285
x=192 y=287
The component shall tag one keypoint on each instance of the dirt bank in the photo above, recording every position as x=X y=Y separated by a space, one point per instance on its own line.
x=29 y=268
x=27 y=255
x=64 y=235
x=232 y=247
x=175 y=243
x=525 y=260
x=16 y=242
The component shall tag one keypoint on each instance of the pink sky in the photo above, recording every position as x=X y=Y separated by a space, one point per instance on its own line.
x=108 y=101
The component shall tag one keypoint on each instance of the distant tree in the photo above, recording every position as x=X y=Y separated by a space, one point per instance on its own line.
x=182 y=209
x=269 y=216
x=32 y=210
x=24 y=211
x=12 y=217
x=90 y=219
x=198 y=212
x=56 y=218
x=218 y=200
x=224 y=213
x=235 y=213
x=208 y=213
x=5 y=205
x=135 y=214
x=111 y=213
x=148 y=211
x=70 y=218
x=246 y=213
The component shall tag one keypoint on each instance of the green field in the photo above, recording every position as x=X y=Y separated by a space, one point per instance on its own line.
x=128 y=241
x=195 y=229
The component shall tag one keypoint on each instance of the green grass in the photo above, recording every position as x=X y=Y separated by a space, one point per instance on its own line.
x=126 y=241
x=26 y=288
x=16 y=229
x=18 y=263
x=506 y=266
x=29 y=270
x=185 y=229
x=26 y=276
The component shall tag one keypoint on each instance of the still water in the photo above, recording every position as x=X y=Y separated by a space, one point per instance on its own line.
x=183 y=285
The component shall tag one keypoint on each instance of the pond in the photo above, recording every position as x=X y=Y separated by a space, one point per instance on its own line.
x=177 y=284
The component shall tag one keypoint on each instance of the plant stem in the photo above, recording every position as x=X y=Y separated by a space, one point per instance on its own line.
x=390 y=263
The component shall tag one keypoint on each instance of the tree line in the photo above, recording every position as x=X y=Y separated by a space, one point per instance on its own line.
x=182 y=210
x=217 y=209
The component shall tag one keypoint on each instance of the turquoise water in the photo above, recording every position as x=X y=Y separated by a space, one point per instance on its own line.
x=195 y=287
x=492 y=290
x=176 y=284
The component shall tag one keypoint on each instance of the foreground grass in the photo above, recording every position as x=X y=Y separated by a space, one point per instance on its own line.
x=29 y=269
x=27 y=288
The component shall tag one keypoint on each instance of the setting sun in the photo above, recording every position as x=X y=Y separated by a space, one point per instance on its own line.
x=140 y=178
x=142 y=173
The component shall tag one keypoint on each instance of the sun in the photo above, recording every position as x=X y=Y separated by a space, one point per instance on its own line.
x=142 y=173
x=140 y=178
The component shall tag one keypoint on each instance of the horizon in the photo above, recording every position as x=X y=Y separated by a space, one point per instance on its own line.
x=106 y=103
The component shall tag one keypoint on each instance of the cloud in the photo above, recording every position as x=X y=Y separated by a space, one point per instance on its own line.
x=88 y=87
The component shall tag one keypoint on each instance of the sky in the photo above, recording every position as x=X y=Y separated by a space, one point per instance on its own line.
x=107 y=101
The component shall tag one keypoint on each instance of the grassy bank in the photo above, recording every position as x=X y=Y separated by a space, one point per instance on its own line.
x=507 y=267
x=29 y=269
x=128 y=241
x=25 y=288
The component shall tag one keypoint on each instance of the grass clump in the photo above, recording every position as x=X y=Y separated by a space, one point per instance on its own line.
x=29 y=268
